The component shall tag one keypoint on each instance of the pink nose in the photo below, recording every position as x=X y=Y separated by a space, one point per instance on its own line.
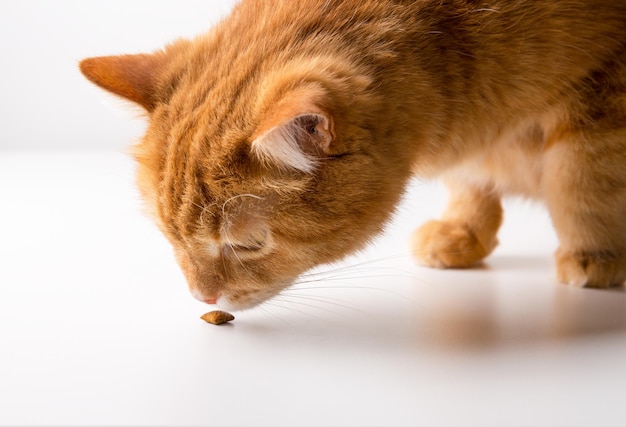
x=208 y=299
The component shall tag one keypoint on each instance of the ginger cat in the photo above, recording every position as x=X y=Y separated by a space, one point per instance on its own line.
x=285 y=137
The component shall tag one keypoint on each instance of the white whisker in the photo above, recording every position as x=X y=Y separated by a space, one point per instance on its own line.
x=306 y=305
x=272 y=314
x=289 y=307
x=363 y=274
x=321 y=300
x=229 y=244
x=356 y=287
x=238 y=197
x=353 y=266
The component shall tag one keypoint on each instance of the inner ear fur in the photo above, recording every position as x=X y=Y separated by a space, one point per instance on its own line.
x=296 y=131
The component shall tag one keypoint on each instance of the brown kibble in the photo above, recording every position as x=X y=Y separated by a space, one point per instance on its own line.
x=217 y=317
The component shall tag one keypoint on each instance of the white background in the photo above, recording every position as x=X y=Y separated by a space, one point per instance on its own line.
x=45 y=102
x=97 y=327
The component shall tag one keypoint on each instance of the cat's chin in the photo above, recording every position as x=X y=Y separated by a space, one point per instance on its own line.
x=226 y=303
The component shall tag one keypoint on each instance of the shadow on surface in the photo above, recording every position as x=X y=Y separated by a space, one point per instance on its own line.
x=508 y=302
x=514 y=301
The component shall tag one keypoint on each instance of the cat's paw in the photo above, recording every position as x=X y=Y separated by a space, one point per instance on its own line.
x=592 y=269
x=442 y=245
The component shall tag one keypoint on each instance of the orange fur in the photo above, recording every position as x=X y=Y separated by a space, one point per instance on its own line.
x=504 y=97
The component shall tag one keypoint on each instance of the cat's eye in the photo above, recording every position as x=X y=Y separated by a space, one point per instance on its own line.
x=253 y=246
x=248 y=247
x=243 y=252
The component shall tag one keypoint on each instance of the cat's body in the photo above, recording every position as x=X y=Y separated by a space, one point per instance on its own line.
x=285 y=137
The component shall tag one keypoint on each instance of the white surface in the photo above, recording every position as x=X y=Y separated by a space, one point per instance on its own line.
x=97 y=327
x=46 y=103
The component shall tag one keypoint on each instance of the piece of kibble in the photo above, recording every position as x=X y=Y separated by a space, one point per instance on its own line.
x=217 y=317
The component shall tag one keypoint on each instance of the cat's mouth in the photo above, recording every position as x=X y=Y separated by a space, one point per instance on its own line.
x=244 y=300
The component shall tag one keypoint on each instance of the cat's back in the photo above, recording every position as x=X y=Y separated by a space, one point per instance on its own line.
x=534 y=18
x=576 y=32
x=461 y=56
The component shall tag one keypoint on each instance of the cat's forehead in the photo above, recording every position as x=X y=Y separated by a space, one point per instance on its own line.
x=220 y=90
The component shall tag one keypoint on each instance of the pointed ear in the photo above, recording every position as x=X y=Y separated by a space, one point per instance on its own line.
x=296 y=132
x=133 y=77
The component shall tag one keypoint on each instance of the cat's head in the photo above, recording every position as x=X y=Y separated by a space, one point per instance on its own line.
x=256 y=170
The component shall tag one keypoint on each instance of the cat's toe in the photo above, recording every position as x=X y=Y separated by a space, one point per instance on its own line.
x=592 y=269
x=446 y=245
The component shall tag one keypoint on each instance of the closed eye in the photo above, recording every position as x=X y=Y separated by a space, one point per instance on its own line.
x=243 y=252
x=248 y=247
x=254 y=246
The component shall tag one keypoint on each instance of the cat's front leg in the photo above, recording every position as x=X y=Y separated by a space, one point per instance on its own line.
x=585 y=190
x=466 y=232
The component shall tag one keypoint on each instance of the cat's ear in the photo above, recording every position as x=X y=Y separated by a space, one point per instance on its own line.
x=295 y=133
x=133 y=77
